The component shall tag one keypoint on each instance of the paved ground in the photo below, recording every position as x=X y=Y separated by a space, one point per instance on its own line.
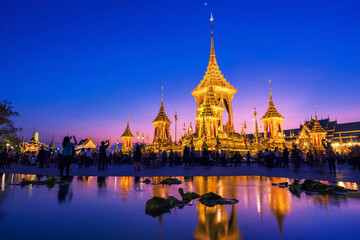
x=344 y=172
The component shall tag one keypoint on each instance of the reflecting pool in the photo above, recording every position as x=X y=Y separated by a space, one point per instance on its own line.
x=114 y=208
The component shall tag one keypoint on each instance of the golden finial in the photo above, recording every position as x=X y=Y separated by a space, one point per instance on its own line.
x=162 y=95
x=315 y=111
x=270 y=85
x=212 y=60
x=271 y=101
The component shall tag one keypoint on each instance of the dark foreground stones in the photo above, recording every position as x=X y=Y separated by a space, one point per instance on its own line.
x=211 y=199
x=315 y=187
x=49 y=182
x=170 y=181
x=157 y=206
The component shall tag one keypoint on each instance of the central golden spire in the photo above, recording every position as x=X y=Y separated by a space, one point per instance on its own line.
x=217 y=92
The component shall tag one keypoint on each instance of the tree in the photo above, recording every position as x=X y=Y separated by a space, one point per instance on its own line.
x=7 y=127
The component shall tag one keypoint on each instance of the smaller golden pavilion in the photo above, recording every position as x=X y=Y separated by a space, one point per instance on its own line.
x=85 y=143
x=33 y=145
x=162 y=138
x=127 y=139
x=311 y=135
x=273 y=120
x=52 y=144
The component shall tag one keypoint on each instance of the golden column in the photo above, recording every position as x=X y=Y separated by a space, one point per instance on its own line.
x=176 y=118
x=256 y=135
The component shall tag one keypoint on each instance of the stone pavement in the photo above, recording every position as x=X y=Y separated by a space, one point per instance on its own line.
x=344 y=172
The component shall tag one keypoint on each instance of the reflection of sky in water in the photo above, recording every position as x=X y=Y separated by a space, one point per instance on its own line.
x=114 y=207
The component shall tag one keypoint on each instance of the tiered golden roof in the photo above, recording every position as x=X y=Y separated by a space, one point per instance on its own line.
x=127 y=132
x=272 y=111
x=162 y=115
x=317 y=127
x=213 y=76
x=52 y=144
x=209 y=103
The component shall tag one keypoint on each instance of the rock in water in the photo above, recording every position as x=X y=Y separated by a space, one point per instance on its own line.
x=187 y=197
x=284 y=184
x=211 y=199
x=174 y=202
x=170 y=181
x=293 y=188
x=157 y=206
x=315 y=187
x=147 y=181
x=26 y=182
x=210 y=196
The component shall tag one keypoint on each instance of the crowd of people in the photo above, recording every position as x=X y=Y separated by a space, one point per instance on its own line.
x=188 y=157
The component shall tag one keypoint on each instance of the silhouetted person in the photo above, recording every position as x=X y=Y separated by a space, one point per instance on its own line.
x=171 y=157
x=223 y=158
x=10 y=158
x=49 y=157
x=102 y=155
x=67 y=155
x=163 y=158
x=88 y=158
x=137 y=157
x=81 y=157
x=42 y=157
x=3 y=158
x=177 y=159
x=248 y=158
x=277 y=157
x=270 y=160
x=217 y=158
x=186 y=157
x=330 y=156
x=286 y=158
x=295 y=156
x=206 y=157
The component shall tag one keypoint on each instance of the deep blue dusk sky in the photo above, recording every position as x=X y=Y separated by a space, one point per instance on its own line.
x=80 y=66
